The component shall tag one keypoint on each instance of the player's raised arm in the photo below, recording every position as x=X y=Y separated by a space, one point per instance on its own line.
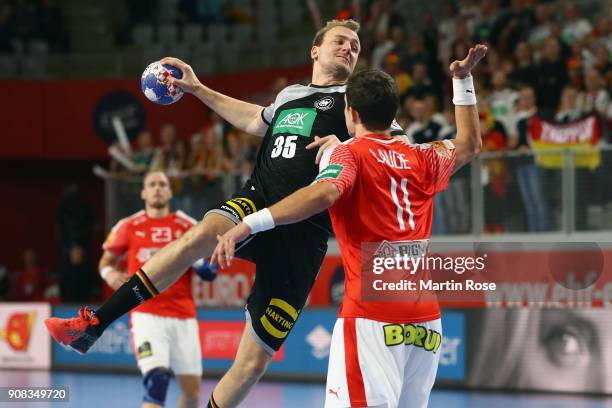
x=468 y=141
x=243 y=115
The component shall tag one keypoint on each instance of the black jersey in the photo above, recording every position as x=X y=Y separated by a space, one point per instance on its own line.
x=298 y=114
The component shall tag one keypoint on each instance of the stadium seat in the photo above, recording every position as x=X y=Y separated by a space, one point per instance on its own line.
x=193 y=33
x=167 y=34
x=217 y=33
x=241 y=33
x=142 y=34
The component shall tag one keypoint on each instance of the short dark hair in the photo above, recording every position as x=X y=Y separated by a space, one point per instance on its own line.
x=320 y=35
x=373 y=94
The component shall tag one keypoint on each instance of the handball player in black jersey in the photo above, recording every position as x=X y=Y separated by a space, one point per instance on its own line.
x=287 y=258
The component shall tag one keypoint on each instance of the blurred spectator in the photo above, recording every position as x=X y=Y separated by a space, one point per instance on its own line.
x=412 y=52
x=401 y=77
x=543 y=22
x=514 y=26
x=595 y=98
x=144 y=151
x=28 y=282
x=528 y=174
x=568 y=108
x=203 y=166
x=524 y=70
x=5 y=29
x=382 y=46
x=143 y=11
x=502 y=100
x=495 y=175
x=469 y=13
x=165 y=153
x=75 y=221
x=383 y=17
x=76 y=277
x=575 y=27
x=446 y=30
x=603 y=64
x=551 y=77
x=422 y=84
x=484 y=27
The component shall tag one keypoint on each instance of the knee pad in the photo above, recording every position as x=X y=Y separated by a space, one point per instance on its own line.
x=156 y=383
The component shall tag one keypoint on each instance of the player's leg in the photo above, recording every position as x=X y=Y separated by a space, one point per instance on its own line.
x=364 y=370
x=288 y=260
x=249 y=365
x=186 y=360
x=422 y=365
x=152 y=350
x=190 y=390
x=161 y=271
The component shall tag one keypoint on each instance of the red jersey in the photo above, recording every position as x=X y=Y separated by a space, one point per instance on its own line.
x=141 y=237
x=389 y=188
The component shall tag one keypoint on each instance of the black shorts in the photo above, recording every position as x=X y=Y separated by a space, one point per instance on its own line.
x=287 y=259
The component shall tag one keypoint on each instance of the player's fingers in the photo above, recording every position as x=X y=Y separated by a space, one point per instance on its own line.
x=322 y=150
x=317 y=141
x=175 y=62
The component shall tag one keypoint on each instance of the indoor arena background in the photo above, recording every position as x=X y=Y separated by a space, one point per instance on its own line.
x=69 y=69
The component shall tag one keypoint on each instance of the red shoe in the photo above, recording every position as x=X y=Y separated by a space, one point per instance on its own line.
x=77 y=333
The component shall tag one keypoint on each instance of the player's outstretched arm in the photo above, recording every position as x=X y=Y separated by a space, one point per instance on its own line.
x=243 y=115
x=468 y=141
x=302 y=204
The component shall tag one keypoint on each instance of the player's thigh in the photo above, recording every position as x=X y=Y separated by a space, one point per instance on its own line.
x=287 y=263
x=363 y=370
x=150 y=341
x=185 y=353
x=421 y=365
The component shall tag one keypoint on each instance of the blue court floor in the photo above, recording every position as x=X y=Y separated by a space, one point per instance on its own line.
x=124 y=391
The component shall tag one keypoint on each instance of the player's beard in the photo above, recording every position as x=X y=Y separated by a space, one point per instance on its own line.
x=339 y=72
x=158 y=204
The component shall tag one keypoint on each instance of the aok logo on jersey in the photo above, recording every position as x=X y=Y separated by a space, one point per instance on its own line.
x=296 y=121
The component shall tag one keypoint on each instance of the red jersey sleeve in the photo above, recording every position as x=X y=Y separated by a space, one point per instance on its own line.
x=338 y=166
x=117 y=240
x=440 y=157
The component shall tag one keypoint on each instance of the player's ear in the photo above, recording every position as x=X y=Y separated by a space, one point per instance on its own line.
x=314 y=52
x=354 y=115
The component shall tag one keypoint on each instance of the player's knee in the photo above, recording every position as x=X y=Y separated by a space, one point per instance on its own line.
x=156 y=383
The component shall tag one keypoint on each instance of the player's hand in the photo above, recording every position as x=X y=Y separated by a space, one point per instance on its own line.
x=463 y=69
x=224 y=252
x=190 y=82
x=116 y=278
x=323 y=143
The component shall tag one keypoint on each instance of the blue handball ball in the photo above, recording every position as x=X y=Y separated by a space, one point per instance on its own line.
x=153 y=86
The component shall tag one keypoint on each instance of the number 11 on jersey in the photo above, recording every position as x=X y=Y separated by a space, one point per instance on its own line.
x=401 y=205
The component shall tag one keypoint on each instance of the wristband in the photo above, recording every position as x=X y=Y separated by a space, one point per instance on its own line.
x=464 y=92
x=260 y=221
x=105 y=271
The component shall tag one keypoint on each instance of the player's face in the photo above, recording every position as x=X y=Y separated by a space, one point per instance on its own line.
x=338 y=52
x=156 y=191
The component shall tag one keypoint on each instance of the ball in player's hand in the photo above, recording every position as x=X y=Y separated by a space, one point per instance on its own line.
x=154 y=83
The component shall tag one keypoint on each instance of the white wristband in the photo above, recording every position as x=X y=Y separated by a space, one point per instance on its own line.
x=105 y=271
x=463 y=91
x=260 y=221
